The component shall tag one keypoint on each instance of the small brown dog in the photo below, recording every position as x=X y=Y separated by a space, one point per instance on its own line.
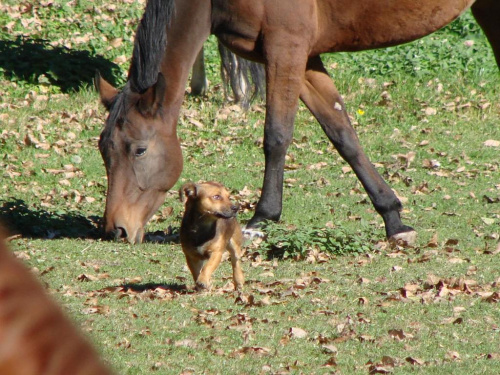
x=208 y=228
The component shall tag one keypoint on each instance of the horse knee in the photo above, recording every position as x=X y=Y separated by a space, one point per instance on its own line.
x=277 y=141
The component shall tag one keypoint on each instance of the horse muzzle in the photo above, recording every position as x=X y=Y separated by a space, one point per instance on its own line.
x=122 y=233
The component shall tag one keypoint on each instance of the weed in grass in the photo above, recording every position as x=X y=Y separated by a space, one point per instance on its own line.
x=296 y=243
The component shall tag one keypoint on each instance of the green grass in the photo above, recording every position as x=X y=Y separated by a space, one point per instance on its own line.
x=426 y=136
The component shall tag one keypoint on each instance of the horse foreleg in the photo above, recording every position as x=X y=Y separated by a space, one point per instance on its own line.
x=487 y=14
x=199 y=81
x=320 y=95
x=284 y=78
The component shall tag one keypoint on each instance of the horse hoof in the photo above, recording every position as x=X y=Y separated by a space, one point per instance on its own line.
x=252 y=233
x=404 y=238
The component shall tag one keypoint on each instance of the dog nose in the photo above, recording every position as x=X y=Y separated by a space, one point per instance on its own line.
x=235 y=207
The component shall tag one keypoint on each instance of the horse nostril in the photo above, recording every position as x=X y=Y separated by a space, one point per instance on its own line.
x=119 y=233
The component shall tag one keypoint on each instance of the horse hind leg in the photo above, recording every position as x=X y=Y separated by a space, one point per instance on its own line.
x=487 y=15
x=199 y=82
x=320 y=95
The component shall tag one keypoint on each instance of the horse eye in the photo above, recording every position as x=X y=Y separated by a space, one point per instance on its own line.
x=140 y=151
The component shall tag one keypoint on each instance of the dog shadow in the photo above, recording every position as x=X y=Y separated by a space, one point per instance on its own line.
x=171 y=288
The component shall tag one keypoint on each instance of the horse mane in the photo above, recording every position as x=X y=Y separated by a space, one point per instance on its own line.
x=150 y=43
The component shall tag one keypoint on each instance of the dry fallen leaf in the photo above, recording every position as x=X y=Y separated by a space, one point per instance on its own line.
x=491 y=143
x=414 y=361
x=298 y=333
x=399 y=334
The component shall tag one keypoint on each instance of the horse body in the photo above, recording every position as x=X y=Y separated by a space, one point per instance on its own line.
x=330 y=26
x=288 y=36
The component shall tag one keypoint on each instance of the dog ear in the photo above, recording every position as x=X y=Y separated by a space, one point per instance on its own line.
x=188 y=190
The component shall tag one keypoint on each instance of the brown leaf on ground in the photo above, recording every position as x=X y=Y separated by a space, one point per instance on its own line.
x=98 y=309
x=399 y=334
x=491 y=143
x=252 y=350
x=298 y=333
x=452 y=355
x=415 y=361
x=187 y=343
x=332 y=362
x=492 y=298
x=330 y=349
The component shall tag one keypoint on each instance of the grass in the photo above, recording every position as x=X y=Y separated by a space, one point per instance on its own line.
x=423 y=112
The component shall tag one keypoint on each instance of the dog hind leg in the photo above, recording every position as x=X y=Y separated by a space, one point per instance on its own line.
x=234 y=248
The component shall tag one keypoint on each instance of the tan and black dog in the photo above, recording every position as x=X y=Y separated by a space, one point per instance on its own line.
x=208 y=228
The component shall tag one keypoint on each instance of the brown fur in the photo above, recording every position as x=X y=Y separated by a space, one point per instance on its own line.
x=208 y=228
x=36 y=338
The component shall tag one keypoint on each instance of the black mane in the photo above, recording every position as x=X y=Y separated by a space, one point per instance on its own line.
x=150 y=43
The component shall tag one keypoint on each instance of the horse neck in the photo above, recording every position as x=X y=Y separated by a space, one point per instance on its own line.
x=185 y=37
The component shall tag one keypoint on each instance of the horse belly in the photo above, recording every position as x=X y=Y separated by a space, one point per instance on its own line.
x=354 y=25
x=237 y=24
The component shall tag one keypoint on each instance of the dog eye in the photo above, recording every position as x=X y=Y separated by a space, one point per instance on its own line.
x=217 y=197
x=140 y=151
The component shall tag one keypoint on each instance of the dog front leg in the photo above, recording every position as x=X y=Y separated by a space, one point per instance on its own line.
x=203 y=281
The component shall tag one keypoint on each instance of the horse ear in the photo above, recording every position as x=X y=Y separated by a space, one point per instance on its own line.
x=188 y=190
x=106 y=91
x=152 y=99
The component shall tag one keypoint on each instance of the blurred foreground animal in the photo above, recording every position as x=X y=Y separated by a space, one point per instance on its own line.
x=208 y=228
x=36 y=338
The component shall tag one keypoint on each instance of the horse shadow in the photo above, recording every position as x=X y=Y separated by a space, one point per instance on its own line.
x=36 y=61
x=29 y=222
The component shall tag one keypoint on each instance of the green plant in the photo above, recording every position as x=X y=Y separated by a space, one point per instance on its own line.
x=296 y=243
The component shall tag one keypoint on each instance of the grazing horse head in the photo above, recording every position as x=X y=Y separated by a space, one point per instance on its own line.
x=142 y=157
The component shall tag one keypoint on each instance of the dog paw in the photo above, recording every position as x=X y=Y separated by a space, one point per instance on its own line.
x=252 y=233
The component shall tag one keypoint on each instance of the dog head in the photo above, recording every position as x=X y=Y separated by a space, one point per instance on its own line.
x=208 y=198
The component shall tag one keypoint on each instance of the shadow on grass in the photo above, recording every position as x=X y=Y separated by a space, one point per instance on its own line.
x=31 y=222
x=36 y=61
x=140 y=288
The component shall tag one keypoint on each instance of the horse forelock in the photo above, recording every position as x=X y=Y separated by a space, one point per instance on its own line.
x=150 y=44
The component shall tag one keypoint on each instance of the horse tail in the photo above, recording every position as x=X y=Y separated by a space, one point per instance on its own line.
x=246 y=79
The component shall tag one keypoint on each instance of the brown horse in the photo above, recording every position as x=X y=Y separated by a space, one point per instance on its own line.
x=139 y=142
